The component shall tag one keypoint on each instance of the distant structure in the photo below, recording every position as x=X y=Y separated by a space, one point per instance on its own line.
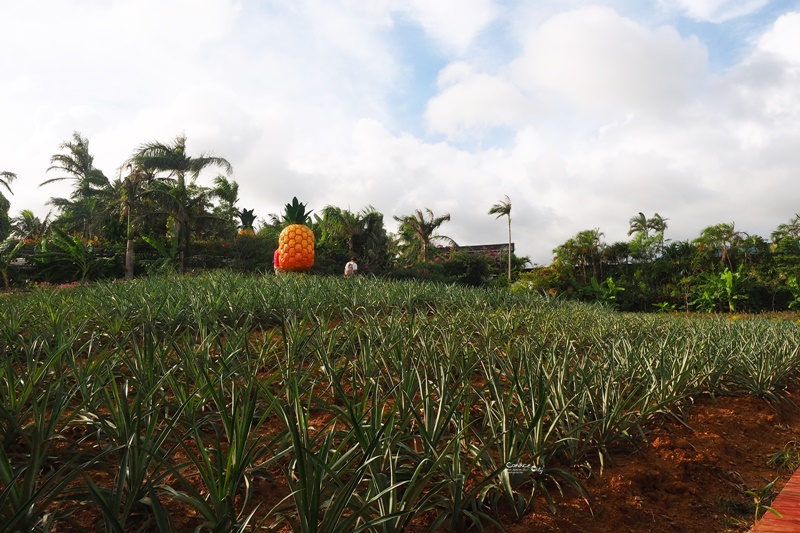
x=486 y=248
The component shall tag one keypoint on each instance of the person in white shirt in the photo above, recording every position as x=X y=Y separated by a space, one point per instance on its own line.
x=350 y=268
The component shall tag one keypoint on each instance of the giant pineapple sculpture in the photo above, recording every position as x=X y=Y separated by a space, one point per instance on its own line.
x=296 y=241
x=247 y=218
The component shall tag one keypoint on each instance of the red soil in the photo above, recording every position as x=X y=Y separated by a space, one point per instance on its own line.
x=688 y=477
x=685 y=479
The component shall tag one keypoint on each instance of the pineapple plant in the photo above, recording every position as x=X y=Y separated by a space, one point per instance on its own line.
x=296 y=241
x=247 y=218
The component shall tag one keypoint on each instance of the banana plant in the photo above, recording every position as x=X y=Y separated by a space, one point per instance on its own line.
x=606 y=292
x=168 y=253
x=8 y=252
x=725 y=287
x=61 y=249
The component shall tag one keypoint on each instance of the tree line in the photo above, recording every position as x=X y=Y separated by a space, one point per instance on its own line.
x=723 y=269
x=156 y=215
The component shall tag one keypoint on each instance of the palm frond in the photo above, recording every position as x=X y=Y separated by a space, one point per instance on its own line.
x=6 y=178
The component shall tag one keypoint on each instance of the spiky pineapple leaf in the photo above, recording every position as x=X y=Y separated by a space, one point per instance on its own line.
x=247 y=217
x=295 y=212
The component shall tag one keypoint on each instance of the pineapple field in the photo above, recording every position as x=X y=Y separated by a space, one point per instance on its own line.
x=229 y=402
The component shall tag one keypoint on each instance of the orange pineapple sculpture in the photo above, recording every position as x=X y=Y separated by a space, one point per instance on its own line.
x=296 y=241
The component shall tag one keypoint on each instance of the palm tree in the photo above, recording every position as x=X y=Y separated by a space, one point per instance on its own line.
x=582 y=250
x=362 y=233
x=503 y=209
x=374 y=240
x=418 y=232
x=618 y=253
x=5 y=224
x=180 y=201
x=6 y=178
x=26 y=224
x=78 y=164
x=82 y=207
x=786 y=243
x=128 y=193
x=338 y=223
x=350 y=227
x=722 y=239
x=8 y=252
x=790 y=230
x=640 y=244
x=226 y=213
x=659 y=225
x=638 y=225
x=643 y=245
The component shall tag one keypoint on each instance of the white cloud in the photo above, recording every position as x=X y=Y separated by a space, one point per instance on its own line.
x=604 y=113
x=783 y=39
x=604 y=62
x=718 y=10
x=471 y=102
x=454 y=24
x=661 y=134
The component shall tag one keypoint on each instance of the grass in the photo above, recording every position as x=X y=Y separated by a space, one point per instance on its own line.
x=376 y=405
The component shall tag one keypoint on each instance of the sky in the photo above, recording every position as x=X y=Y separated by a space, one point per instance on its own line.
x=583 y=113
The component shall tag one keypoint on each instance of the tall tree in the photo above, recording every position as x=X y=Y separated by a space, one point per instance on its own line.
x=789 y=230
x=417 y=232
x=6 y=178
x=638 y=225
x=341 y=224
x=503 y=209
x=226 y=214
x=128 y=195
x=644 y=245
x=786 y=246
x=181 y=201
x=27 y=224
x=362 y=234
x=351 y=228
x=582 y=251
x=374 y=241
x=722 y=240
x=81 y=211
x=659 y=225
x=641 y=243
